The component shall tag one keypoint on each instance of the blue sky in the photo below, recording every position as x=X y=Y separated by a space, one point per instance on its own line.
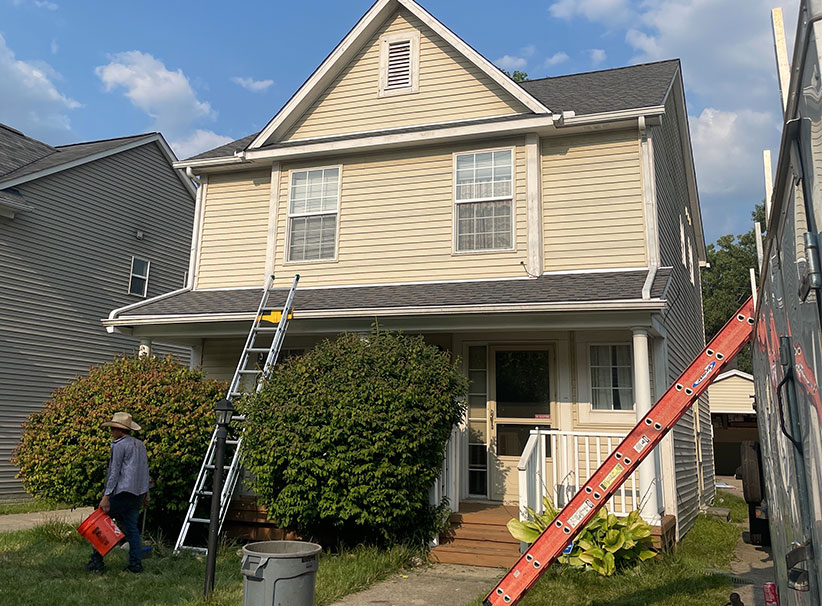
x=206 y=73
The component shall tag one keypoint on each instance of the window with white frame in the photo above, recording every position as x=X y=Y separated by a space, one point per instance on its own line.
x=612 y=380
x=484 y=201
x=312 y=214
x=138 y=279
x=399 y=63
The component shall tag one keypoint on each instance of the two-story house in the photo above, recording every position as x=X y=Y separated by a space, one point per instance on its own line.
x=547 y=233
x=83 y=227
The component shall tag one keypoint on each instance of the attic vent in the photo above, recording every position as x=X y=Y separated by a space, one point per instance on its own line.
x=399 y=63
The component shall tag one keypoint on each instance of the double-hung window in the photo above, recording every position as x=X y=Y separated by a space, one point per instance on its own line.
x=484 y=201
x=138 y=278
x=612 y=377
x=312 y=214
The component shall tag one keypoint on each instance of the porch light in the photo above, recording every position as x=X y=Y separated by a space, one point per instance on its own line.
x=223 y=411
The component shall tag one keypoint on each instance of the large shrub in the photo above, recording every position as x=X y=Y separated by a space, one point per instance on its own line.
x=345 y=441
x=64 y=451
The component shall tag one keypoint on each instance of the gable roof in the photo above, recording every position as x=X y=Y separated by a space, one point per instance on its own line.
x=611 y=90
x=351 y=44
x=42 y=159
x=621 y=88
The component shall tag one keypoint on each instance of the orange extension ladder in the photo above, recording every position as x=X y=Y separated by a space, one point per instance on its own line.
x=625 y=459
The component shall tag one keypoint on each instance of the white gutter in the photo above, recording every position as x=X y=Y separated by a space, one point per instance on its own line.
x=111 y=322
x=623 y=305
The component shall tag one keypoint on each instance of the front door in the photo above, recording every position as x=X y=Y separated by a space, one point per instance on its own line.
x=519 y=399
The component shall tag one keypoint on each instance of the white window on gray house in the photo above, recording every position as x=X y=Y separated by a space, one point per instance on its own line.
x=612 y=377
x=399 y=63
x=312 y=214
x=138 y=280
x=484 y=201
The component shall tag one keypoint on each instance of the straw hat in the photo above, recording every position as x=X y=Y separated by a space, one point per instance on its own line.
x=123 y=421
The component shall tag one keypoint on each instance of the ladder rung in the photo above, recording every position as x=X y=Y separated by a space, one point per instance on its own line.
x=234 y=394
x=205 y=493
x=266 y=329
x=232 y=442
x=250 y=372
x=192 y=548
x=212 y=467
x=258 y=350
x=238 y=418
x=200 y=520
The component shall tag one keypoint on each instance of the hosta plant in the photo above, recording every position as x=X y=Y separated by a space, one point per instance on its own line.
x=606 y=544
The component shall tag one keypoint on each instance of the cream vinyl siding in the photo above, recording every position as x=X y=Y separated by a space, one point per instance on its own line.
x=593 y=213
x=450 y=88
x=235 y=224
x=683 y=322
x=396 y=221
x=732 y=394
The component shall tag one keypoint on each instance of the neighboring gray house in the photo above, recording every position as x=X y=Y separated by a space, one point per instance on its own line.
x=84 y=228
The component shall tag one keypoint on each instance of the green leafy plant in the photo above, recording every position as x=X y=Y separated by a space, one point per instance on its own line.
x=64 y=450
x=606 y=544
x=345 y=441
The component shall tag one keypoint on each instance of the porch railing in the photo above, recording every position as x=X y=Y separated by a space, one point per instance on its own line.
x=557 y=463
x=447 y=484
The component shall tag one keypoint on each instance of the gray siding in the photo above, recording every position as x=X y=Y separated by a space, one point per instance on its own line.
x=65 y=265
x=684 y=323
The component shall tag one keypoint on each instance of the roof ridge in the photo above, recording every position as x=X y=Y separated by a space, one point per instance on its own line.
x=60 y=147
x=14 y=170
x=602 y=71
x=20 y=133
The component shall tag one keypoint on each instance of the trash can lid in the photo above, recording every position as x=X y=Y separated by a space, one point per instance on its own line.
x=282 y=549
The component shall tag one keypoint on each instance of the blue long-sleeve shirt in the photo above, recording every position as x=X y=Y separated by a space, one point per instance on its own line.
x=127 y=467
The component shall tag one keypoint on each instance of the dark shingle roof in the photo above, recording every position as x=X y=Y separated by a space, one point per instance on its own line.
x=608 y=90
x=559 y=288
x=63 y=154
x=16 y=149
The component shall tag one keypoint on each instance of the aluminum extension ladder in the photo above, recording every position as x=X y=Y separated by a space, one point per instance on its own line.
x=248 y=366
x=630 y=452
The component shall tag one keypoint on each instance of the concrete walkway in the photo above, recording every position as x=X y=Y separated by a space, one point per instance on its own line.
x=434 y=585
x=754 y=568
x=22 y=521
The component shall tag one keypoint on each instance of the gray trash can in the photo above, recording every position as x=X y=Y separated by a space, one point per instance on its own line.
x=280 y=573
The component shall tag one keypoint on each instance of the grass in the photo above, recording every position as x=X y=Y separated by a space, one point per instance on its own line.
x=40 y=564
x=30 y=507
x=681 y=579
x=737 y=505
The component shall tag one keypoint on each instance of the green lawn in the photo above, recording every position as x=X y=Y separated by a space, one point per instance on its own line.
x=734 y=502
x=682 y=579
x=44 y=566
x=30 y=507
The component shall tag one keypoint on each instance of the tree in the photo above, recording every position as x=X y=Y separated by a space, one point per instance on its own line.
x=517 y=76
x=726 y=282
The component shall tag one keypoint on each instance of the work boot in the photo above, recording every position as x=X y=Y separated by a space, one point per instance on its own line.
x=95 y=566
x=134 y=568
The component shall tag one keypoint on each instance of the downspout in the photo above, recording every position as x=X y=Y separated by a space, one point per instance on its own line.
x=195 y=231
x=649 y=199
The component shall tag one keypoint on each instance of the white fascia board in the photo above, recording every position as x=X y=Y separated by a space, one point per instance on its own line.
x=218 y=161
x=439 y=135
x=352 y=44
x=735 y=373
x=493 y=72
x=620 y=305
x=80 y=161
x=623 y=114
x=107 y=322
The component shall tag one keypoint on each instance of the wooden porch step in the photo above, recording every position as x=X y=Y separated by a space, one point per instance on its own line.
x=480 y=532
x=474 y=556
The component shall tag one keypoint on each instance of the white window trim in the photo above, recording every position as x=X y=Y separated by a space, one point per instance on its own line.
x=587 y=414
x=131 y=275
x=455 y=214
x=385 y=40
x=289 y=216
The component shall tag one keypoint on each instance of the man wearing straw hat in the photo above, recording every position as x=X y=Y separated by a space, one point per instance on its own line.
x=126 y=488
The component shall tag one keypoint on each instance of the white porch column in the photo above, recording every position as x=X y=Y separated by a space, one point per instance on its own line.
x=145 y=347
x=196 y=354
x=648 y=472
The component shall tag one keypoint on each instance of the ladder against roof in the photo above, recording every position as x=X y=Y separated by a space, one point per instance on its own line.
x=252 y=368
x=630 y=452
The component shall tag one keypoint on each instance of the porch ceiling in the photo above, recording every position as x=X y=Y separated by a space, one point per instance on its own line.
x=406 y=304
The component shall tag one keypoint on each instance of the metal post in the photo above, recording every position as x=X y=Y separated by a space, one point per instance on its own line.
x=214 y=523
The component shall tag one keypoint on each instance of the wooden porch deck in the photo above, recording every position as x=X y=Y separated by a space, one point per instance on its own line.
x=478 y=537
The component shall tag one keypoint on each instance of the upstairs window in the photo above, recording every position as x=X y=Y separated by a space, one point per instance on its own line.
x=399 y=63
x=484 y=201
x=312 y=214
x=138 y=280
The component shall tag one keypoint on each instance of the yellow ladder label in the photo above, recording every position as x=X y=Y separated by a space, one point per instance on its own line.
x=274 y=317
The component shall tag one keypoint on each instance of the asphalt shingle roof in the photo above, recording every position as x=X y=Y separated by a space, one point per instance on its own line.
x=63 y=154
x=560 y=288
x=607 y=90
x=16 y=149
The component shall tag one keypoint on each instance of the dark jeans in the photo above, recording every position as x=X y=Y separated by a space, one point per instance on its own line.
x=125 y=509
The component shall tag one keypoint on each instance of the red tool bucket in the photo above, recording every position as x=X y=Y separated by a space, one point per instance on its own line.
x=101 y=531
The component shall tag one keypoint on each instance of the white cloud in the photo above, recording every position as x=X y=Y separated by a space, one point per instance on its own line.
x=250 y=84
x=30 y=102
x=606 y=11
x=51 y=6
x=510 y=63
x=597 y=55
x=556 y=59
x=528 y=51
x=199 y=141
